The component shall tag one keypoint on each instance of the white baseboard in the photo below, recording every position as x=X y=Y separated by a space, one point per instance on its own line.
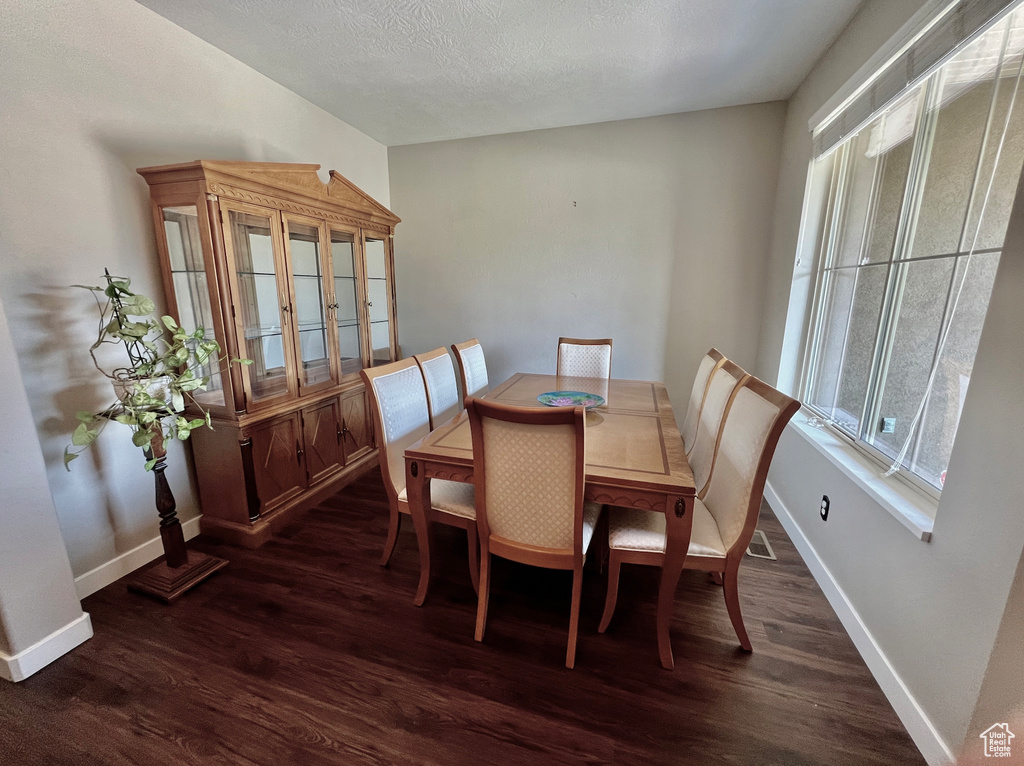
x=42 y=653
x=112 y=571
x=928 y=740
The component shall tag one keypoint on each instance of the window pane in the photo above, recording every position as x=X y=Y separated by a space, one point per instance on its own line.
x=860 y=177
x=942 y=413
x=891 y=143
x=848 y=342
x=920 y=313
x=1011 y=160
x=962 y=113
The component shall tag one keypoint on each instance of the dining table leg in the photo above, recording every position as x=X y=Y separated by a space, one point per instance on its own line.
x=678 y=523
x=418 y=492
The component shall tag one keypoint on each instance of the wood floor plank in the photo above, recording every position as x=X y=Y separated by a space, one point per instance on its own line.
x=308 y=652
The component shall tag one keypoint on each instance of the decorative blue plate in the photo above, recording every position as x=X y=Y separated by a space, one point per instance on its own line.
x=570 y=399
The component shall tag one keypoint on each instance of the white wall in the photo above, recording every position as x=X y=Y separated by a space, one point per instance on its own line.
x=90 y=91
x=933 y=609
x=648 y=231
x=37 y=593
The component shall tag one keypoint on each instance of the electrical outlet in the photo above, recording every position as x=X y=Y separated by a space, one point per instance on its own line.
x=824 y=507
x=888 y=426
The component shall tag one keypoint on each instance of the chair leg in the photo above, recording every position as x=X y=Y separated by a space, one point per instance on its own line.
x=394 y=524
x=732 y=602
x=474 y=558
x=716 y=578
x=614 y=565
x=574 y=617
x=483 y=594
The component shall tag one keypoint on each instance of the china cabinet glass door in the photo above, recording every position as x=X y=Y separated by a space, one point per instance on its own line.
x=192 y=292
x=378 y=299
x=344 y=263
x=310 y=285
x=253 y=237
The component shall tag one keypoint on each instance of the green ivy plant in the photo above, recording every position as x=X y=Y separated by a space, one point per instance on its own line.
x=163 y=372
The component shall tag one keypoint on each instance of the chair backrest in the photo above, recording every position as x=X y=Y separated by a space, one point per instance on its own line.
x=711 y=361
x=442 y=387
x=724 y=380
x=585 y=357
x=753 y=424
x=399 y=400
x=529 y=475
x=472 y=368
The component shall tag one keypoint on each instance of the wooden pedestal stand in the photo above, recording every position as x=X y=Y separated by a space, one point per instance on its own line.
x=178 y=569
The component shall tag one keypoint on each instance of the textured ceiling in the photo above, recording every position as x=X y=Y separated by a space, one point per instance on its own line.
x=409 y=71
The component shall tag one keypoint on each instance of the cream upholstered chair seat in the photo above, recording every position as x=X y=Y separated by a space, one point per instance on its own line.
x=632 y=529
x=449 y=496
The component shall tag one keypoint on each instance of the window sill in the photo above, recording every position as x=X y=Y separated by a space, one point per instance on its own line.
x=912 y=509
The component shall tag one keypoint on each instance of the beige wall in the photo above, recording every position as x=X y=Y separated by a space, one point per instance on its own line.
x=933 y=609
x=649 y=231
x=37 y=594
x=90 y=91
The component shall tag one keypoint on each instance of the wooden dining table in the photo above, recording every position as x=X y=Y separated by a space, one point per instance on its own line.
x=634 y=458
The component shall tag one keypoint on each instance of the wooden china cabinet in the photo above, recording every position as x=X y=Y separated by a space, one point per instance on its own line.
x=297 y=276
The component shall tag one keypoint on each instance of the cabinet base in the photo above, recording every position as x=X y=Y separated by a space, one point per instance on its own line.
x=169 y=583
x=254 y=534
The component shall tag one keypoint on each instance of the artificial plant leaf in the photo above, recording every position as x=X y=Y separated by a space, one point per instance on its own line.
x=139 y=305
x=83 y=435
x=169 y=323
x=68 y=457
x=84 y=416
x=150 y=464
x=200 y=333
x=195 y=423
x=177 y=401
x=142 y=438
x=246 y=362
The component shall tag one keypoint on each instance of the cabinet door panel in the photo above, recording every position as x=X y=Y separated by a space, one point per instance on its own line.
x=379 y=298
x=322 y=428
x=278 y=458
x=310 y=288
x=263 y=306
x=356 y=426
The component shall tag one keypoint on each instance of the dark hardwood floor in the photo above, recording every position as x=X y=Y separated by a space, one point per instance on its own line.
x=308 y=652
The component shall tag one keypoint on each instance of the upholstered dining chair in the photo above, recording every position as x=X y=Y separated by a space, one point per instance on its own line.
x=585 y=357
x=529 y=474
x=398 y=398
x=724 y=380
x=712 y=360
x=724 y=521
x=442 y=387
x=472 y=367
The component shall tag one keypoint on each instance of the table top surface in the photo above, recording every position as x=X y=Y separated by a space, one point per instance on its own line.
x=631 y=441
